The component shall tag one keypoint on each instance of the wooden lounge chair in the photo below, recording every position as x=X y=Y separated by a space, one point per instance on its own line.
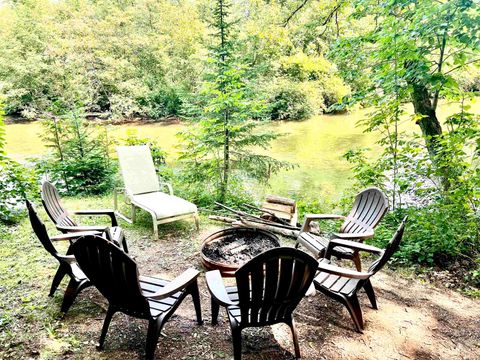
x=269 y=287
x=368 y=209
x=142 y=189
x=343 y=284
x=115 y=275
x=68 y=265
x=66 y=224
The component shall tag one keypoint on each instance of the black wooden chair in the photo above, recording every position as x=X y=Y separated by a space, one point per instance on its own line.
x=66 y=224
x=116 y=276
x=368 y=209
x=269 y=287
x=68 y=265
x=343 y=284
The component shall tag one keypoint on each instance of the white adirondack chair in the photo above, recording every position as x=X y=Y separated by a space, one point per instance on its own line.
x=143 y=189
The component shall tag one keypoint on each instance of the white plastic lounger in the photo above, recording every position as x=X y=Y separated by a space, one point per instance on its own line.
x=142 y=189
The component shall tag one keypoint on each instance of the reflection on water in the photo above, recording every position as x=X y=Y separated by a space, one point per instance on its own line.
x=315 y=145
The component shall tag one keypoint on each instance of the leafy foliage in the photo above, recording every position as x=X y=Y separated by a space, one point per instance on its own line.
x=217 y=153
x=289 y=101
x=80 y=161
x=409 y=55
x=108 y=56
x=16 y=183
x=444 y=225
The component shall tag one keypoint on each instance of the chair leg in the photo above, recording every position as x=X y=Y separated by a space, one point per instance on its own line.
x=357 y=261
x=155 y=225
x=295 y=338
x=106 y=324
x=71 y=292
x=371 y=294
x=215 y=309
x=124 y=244
x=237 y=343
x=196 y=301
x=154 y=328
x=355 y=311
x=57 y=279
x=197 y=220
x=133 y=214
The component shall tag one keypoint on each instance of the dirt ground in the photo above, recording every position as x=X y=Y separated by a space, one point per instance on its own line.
x=415 y=320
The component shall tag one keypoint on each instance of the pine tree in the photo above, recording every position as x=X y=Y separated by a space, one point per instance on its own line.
x=218 y=151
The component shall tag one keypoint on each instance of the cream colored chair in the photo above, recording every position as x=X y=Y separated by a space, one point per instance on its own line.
x=143 y=189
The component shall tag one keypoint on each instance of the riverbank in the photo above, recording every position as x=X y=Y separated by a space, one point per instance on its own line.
x=315 y=145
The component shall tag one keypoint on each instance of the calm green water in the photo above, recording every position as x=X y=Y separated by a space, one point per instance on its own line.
x=315 y=145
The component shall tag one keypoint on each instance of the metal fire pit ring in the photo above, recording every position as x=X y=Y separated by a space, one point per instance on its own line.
x=228 y=270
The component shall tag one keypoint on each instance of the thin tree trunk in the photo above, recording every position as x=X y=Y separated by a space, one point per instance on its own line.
x=429 y=123
x=431 y=128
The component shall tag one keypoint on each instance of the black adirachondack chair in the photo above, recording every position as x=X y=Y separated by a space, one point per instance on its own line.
x=68 y=265
x=66 y=224
x=368 y=209
x=116 y=276
x=343 y=284
x=269 y=287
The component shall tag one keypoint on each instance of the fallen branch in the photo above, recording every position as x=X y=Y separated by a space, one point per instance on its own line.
x=273 y=228
x=222 y=218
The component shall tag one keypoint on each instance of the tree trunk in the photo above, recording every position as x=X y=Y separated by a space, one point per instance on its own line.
x=429 y=123
x=430 y=126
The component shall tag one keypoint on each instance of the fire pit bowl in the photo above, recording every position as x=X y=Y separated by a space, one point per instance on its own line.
x=226 y=250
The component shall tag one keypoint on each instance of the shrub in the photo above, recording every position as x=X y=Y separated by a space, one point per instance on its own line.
x=441 y=195
x=301 y=67
x=333 y=90
x=319 y=74
x=162 y=103
x=80 y=162
x=290 y=101
x=158 y=155
x=17 y=182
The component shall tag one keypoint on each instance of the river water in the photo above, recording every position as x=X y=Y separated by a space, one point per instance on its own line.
x=315 y=145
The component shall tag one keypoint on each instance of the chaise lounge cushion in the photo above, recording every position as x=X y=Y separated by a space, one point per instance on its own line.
x=164 y=205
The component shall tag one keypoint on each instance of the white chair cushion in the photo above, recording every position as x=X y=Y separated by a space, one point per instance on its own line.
x=164 y=205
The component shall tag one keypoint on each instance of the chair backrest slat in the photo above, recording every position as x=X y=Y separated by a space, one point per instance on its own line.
x=53 y=205
x=138 y=170
x=389 y=250
x=112 y=272
x=272 y=284
x=368 y=209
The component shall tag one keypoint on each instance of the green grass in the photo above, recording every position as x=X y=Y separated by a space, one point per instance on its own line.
x=31 y=324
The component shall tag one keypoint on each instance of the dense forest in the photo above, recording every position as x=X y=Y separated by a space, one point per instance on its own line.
x=225 y=72
x=148 y=58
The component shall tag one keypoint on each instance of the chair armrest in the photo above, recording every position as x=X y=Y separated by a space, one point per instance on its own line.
x=351 y=236
x=217 y=288
x=311 y=217
x=354 y=245
x=337 y=270
x=176 y=285
x=108 y=212
x=168 y=186
x=67 y=258
x=94 y=228
x=73 y=235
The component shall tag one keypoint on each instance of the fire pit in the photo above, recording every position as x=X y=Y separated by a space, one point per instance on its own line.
x=227 y=250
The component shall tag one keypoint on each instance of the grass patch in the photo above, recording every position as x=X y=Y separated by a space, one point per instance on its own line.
x=31 y=324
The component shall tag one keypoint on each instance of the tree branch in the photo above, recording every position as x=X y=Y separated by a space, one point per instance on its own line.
x=460 y=66
x=439 y=68
x=324 y=22
x=300 y=7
